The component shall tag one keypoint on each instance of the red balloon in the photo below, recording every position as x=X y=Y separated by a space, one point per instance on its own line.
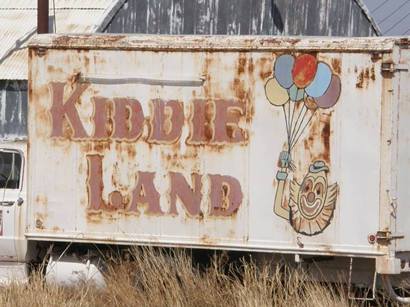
x=304 y=70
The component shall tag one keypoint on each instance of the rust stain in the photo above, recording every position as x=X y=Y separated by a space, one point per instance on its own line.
x=231 y=234
x=39 y=224
x=54 y=70
x=372 y=73
x=40 y=218
x=242 y=87
x=251 y=66
x=325 y=248
x=68 y=132
x=208 y=81
x=121 y=147
x=336 y=65
x=242 y=62
x=101 y=146
x=238 y=87
x=360 y=80
x=366 y=73
x=209 y=117
x=404 y=42
x=86 y=147
x=265 y=68
x=56 y=229
x=131 y=150
x=86 y=63
x=317 y=143
x=176 y=160
x=41 y=200
x=376 y=56
x=94 y=217
x=42 y=115
x=325 y=136
x=277 y=41
x=206 y=239
x=66 y=40
x=110 y=216
x=365 y=76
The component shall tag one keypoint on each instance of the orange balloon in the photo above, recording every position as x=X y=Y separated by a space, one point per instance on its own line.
x=304 y=70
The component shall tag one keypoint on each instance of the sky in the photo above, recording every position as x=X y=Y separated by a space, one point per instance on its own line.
x=392 y=16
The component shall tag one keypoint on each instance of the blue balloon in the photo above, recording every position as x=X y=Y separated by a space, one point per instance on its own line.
x=296 y=93
x=283 y=70
x=321 y=81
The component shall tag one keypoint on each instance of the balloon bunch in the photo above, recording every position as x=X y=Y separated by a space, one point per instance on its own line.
x=297 y=80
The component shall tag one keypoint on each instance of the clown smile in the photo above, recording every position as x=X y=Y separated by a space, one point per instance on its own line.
x=309 y=207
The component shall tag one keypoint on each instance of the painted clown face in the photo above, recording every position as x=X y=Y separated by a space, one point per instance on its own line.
x=312 y=203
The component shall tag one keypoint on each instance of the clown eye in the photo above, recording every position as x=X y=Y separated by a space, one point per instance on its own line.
x=307 y=186
x=319 y=189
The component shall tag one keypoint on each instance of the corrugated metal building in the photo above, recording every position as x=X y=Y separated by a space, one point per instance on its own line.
x=233 y=17
x=243 y=17
x=18 y=24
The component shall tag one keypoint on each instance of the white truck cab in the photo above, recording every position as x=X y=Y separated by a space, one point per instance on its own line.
x=13 y=205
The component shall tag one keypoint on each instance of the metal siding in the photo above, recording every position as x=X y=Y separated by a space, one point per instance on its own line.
x=13 y=110
x=60 y=200
x=233 y=17
x=400 y=202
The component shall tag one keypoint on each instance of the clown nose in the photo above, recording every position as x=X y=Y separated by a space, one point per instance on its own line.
x=311 y=197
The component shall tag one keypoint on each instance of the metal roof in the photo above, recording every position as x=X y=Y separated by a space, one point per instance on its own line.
x=18 y=25
x=393 y=16
x=369 y=16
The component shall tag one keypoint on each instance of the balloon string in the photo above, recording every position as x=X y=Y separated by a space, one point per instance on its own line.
x=287 y=125
x=299 y=125
x=293 y=113
x=289 y=116
x=296 y=123
x=304 y=127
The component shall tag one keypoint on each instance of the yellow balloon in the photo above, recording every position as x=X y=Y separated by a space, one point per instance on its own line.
x=276 y=94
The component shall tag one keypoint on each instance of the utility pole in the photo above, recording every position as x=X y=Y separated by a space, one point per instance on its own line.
x=42 y=16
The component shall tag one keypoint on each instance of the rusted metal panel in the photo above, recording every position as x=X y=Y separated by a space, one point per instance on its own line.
x=213 y=43
x=244 y=17
x=260 y=148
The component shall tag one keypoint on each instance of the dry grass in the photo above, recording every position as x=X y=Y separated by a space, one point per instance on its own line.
x=156 y=278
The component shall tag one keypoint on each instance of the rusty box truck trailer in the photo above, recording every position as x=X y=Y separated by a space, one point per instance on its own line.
x=291 y=146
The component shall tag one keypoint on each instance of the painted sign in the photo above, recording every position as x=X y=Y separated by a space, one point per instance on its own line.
x=304 y=85
x=213 y=122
